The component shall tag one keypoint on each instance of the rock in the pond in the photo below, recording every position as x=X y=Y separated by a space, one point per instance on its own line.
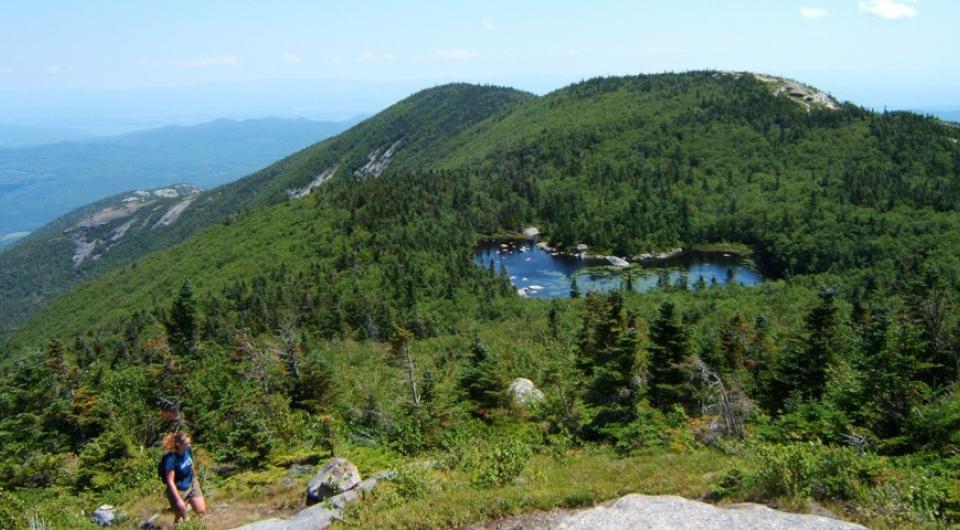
x=635 y=512
x=105 y=515
x=531 y=232
x=337 y=476
x=524 y=392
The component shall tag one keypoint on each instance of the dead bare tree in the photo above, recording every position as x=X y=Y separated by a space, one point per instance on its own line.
x=730 y=404
x=400 y=346
x=291 y=348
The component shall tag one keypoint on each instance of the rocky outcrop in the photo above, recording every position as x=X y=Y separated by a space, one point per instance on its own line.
x=807 y=96
x=337 y=476
x=174 y=212
x=87 y=234
x=376 y=162
x=299 y=193
x=524 y=392
x=676 y=513
x=82 y=248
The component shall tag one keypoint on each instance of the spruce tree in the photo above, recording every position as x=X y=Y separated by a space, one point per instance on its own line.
x=668 y=351
x=182 y=324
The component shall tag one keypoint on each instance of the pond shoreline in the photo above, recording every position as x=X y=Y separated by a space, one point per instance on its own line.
x=537 y=269
x=653 y=257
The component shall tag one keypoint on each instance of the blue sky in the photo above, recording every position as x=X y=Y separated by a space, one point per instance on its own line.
x=900 y=53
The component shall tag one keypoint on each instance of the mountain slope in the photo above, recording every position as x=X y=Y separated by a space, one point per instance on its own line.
x=351 y=315
x=413 y=128
x=625 y=164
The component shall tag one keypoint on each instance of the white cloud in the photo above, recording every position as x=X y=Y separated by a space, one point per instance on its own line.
x=456 y=54
x=6 y=70
x=375 y=57
x=292 y=58
x=487 y=25
x=889 y=9
x=54 y=69
x=812 y=12
x=206 y=62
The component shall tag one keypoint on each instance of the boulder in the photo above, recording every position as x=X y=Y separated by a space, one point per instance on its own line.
x=367 y=485
x=105 y=515
x=386 y=474
x=531 y=232
x=524 y=392
x=618 y=261
x=676 y=513
x=337 y=476
x=340 y=501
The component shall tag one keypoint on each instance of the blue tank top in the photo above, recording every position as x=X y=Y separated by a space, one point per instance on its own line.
x=182 y=467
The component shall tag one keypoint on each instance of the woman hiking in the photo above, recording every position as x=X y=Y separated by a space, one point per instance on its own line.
x=179 y=475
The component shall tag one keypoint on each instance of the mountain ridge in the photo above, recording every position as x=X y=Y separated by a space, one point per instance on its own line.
x=588 y=128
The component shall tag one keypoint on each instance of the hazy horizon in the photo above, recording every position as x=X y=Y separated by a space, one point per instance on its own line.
x=108 y=67
x=116 y=111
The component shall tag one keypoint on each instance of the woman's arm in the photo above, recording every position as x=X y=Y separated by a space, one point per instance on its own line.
x=174 y=493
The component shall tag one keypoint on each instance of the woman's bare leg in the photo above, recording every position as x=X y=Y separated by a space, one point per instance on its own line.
x=199 y=505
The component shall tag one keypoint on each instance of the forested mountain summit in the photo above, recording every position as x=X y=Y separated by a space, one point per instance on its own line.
x=332 y=298
x=625 y=164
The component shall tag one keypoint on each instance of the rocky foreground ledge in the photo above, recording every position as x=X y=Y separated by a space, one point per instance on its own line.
x=632 y=512
x=675 y=513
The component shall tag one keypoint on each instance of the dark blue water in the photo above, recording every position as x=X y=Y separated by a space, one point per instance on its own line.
x=540 y=274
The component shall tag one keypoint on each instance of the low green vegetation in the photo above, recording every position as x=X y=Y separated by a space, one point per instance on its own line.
x=354 y=321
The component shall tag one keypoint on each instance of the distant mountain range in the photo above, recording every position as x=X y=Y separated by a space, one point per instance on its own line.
x=19 y=136
x=40 y=183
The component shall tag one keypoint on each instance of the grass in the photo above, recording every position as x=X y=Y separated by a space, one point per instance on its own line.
x=738 y=249
x=436 y=491
x=579 y=479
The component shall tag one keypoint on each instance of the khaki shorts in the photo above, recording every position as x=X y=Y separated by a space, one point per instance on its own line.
x=192 y=492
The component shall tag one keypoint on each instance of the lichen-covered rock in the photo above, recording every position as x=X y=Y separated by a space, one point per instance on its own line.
x=337 y=476
x=342 y=500
x=676 y=513
x=524 y=392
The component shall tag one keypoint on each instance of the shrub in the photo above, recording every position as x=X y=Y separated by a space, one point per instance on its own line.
x=502 y=462
x=413 y=481
x=10 y=510
x=798 y=471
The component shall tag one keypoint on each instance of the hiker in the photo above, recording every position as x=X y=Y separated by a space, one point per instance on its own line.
x=180 y=477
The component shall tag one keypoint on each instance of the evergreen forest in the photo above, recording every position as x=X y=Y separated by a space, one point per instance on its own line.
x=354 y=321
